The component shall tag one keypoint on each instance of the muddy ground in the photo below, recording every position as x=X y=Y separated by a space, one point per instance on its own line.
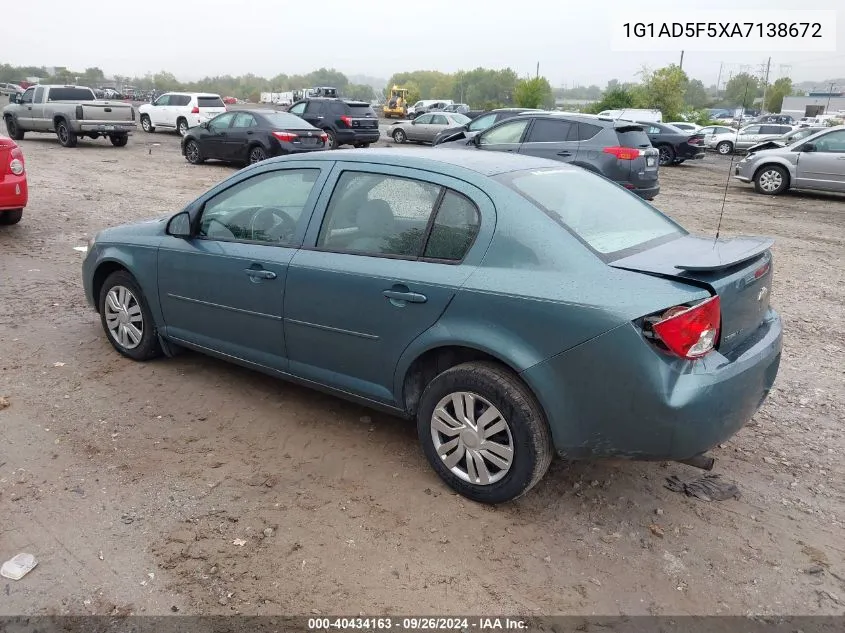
x=131 y=482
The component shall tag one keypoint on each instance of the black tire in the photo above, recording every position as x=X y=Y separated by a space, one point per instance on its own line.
x=182 y=126
x=67 y=137
x=725 y=148
x=667 y=155
x=362 y=145
x=256 y=154
x=399 y=135
x=193 y=154
x=332 y=140
x=147 y=124
x=148 y=347
x=119 y=140
x=11 y=217
x=529 y=433
x=771 y=180
x=14 y=130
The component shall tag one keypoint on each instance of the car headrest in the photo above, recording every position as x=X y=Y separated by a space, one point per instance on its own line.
x=375 y=218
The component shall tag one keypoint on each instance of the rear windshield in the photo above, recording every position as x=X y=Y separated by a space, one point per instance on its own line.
x=70 y=94
x=632 y=137
x=603 y=215
x=286 y=121
x=361 y=110
x=210 y=102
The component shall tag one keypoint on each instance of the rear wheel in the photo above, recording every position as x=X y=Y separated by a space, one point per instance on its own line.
x=126 y=318
x=483 y=432
x=360 y=145
x=146 y=124
x=182 y=126
x=332 y=139
x=11 y=217
x=725 y=148
x=66 y=136
x=14 y=130
x=667 y=155
x=399 y=135
x=119 y=140
x=771 y=180
x=257 y=154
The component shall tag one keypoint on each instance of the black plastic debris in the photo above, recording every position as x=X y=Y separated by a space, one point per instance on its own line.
x=707 y=487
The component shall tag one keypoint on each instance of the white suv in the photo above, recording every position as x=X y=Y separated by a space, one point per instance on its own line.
x=180 y=111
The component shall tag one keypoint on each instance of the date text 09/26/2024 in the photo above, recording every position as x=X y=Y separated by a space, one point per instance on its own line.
x=422 y=623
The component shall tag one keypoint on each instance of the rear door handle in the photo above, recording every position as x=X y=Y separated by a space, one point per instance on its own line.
x=410 y=297
x=564 y=153
x=260 y=273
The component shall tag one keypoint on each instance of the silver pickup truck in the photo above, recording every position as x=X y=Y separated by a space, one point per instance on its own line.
x=69 y=111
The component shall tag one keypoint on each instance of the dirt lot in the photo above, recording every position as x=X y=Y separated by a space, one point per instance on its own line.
x=130 y=482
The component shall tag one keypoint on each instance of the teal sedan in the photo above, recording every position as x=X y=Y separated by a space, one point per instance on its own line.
x=515 y=307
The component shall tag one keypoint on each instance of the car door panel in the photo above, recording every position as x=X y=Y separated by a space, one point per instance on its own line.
x=214 y=138
x=348 y=317
x=238 y=137
x=823 y=169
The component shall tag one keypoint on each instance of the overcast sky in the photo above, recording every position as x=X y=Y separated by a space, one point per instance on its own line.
x=569 y=38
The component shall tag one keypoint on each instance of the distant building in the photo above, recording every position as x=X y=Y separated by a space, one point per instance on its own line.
x=812 y=105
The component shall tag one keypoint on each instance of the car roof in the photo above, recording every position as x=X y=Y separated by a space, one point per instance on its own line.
x=482 y=163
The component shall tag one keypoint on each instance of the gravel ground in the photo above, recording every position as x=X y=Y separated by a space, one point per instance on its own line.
x=131 y=483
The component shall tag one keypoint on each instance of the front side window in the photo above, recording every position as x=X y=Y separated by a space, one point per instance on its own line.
x=482 y=123
x=607 y=218
x=298 y=108
x=834 y=142
x=220 y=123
x=510 y=132
x=265 y=208
x=425 y=119
x=26 y=97
x=377 y=214
x=163 y=100
x=39 y=95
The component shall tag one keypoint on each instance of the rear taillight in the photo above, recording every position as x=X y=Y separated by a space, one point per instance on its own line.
x=285 y=136
x=347 y=120
x=195 y=110
x=689 y=331
x=16 y=166
x=624 y=153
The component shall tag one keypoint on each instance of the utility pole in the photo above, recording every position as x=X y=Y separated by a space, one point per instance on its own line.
x=766 y=82
x=537 y=76
x=682 y=61
x=829 y=95
x=719 y=80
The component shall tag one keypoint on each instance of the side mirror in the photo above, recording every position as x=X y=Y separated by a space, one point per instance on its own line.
x=476 y=140
x=180 y=225
x=204 y=125
x=808 y=147
x=15 y=97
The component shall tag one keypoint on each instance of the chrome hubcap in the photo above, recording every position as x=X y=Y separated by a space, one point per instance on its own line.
x=472 y=438
x=145 y=123
x=770 y=180
x=724 y=149
x=183 y=128
x=124 y=319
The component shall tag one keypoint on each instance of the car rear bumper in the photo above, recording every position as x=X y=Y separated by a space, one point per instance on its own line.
x=14 y=192
x=617 y=396
x=646 y=193
x=348 y=137
x=108 y=127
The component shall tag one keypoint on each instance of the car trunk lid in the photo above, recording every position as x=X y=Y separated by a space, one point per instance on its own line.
x=361 y=115
x=739 y=270
x=643 y=170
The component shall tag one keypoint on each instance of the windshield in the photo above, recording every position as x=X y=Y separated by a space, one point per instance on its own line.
x=603 y=215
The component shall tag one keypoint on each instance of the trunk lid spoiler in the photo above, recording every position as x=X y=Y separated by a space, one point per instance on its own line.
x=695 y=254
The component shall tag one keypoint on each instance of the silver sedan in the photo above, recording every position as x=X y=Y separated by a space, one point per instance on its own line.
x=424 y=128
x=816 y=162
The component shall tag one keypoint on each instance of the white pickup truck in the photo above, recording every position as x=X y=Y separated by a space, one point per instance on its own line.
x=69 y=111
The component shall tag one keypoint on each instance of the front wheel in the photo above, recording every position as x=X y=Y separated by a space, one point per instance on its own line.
x=725 y=148
x=399 y=135
x=14 y=130
x=126 y=318
x=119 y=140
x=483 y=432
x=771 y=180
x=66 y=136
x=146 y=124
x=11 y=217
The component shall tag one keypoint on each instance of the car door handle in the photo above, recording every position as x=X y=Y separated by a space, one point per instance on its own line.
x=249 y=132
x=410 y=297
x=260 y=273
x=564 y=153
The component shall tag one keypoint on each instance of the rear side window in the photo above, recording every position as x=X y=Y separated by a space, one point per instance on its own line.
x=70 y=94
x=583 y=131
x=210 y=102
x=632 y=137
x=608 y=219
x=454 y=229
x=336 y=107
x=180 y=100
x=548 y=131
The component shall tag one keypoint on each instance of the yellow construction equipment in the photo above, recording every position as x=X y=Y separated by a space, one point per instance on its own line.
x=397 y=103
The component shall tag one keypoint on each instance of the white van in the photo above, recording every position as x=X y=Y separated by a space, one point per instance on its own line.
x=634 y=114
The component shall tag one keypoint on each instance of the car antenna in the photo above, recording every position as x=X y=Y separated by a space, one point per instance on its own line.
x=730 y=169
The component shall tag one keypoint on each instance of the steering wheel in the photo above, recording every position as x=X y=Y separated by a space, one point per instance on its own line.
x=283 y=225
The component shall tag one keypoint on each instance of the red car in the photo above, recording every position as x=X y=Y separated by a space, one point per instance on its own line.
x=14 y=192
